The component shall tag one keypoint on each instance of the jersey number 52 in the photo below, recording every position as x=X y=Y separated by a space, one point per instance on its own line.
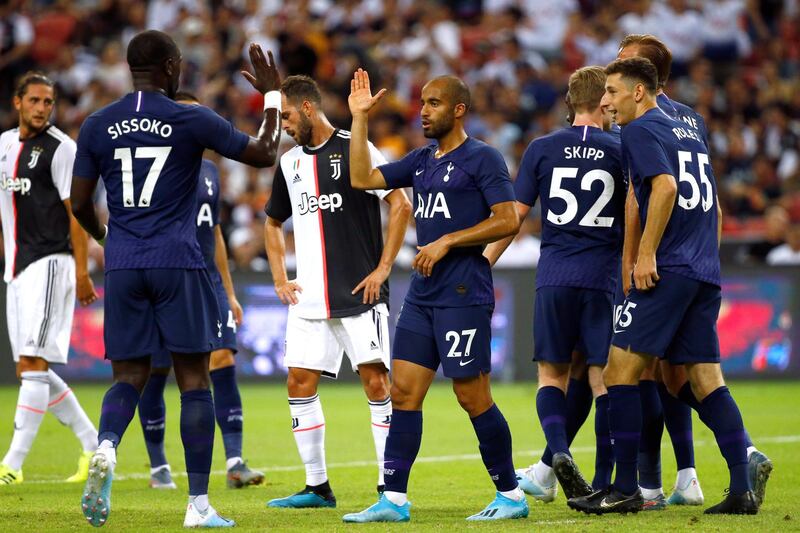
x=591 y=218
x=159 y=156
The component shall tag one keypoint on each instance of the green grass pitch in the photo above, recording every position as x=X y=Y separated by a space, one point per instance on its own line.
x=448 y=482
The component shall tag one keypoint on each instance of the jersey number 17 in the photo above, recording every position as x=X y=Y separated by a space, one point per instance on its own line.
x=159 y=156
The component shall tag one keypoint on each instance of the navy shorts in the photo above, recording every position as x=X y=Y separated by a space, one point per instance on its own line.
x=163 y=358
x=148 y=310
x=567 y=319
x=458 y=338
x=676 y=320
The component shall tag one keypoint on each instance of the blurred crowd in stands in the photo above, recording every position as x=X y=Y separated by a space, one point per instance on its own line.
x=737 y=62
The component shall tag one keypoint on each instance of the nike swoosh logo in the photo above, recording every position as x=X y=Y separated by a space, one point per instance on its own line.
x=605 y=505
x=465 y=363
x=418 y=172
x=618 y=330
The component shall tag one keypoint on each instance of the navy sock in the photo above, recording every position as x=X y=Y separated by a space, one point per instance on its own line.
x=625 y=424
x=687 y=396
x=551 y=406
x=652 y=430
x=724 y=419
x=579 y=404
x=228 y=409
x=678 y=419
x=197 y=434
x=402 y=446
x=152 y=415
x=604 y=458
x=494 y=443
x=119 y=406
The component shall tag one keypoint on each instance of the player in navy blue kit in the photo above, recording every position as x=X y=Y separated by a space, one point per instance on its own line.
x=222 y=364
x=463 y=199
x=661 y=385
x=578 y=175
x=672 y=310
x=149 y=149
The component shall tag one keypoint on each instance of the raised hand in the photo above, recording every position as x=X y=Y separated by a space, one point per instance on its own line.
x=361 y=99
x=266 y=78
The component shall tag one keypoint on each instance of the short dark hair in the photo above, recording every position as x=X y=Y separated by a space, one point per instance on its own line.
x=150 y=49
x=186 y=95
x=652 y=48
x=301 y=88
x=32 y=77
x=456 y=90
x=638 y=69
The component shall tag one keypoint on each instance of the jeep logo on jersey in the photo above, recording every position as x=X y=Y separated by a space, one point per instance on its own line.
x=13 y=184
x=330 y=202
x=336 y=166
x=35 y=153
x=427 y=208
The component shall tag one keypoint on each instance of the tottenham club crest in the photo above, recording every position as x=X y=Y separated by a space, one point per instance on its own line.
x=450 y=167
x=210 y=185
x=336 y=166
x=35 y=153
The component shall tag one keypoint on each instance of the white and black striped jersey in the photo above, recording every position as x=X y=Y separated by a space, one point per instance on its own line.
x=35 y=179
x=337 y=229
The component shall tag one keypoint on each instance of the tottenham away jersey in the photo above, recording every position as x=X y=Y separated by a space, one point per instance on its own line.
x=337 y=229
x=684 y=113
x=654 y=144
x=451 y=193
x=208 y=214
x=148 y=150
x=578 y=175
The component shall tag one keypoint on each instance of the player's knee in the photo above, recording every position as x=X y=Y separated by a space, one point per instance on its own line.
x=31 y=364
x=221 y=359
x=473 y=400
x=377 y=386
x=300 y=384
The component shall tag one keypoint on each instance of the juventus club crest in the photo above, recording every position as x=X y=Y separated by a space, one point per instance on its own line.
x=336 y=166
x=35 y=153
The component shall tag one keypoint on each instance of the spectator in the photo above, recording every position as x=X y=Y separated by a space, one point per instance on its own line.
x=789 y=253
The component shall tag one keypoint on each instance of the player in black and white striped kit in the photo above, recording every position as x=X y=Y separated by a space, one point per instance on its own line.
x=339 y=298
x=43 y=246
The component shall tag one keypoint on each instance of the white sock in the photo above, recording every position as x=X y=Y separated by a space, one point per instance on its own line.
x=31 y=407
x=750 y=450
x=651 y=494
x=685 y=476
x=397 y=498
x=107 y=448
x=233 y=461
x=544 y=474
x=381 y=416
x=65 y=406
x=515 y=494
x=200 y=502
x=308 y=426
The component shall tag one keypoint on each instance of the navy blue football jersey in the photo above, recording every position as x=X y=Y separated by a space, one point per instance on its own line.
x=451 y=193
x=208 y=213
x=684 y=113
x=578 y=174
x=148 y=150
x=654 y=144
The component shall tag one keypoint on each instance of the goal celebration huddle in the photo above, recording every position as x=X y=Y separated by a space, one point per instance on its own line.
x=628 y=288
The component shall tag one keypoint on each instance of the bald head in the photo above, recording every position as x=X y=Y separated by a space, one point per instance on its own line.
x=453 y=90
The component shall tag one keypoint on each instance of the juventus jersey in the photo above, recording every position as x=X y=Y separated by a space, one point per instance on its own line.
x=35 y=179
x=337 y=229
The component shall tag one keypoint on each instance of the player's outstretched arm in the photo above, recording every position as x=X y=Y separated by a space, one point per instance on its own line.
x=633 y=235
x=362 y=175
x=83 y=208
x=399 y=211
x=662 y=200
x=495 y=249
x=221 y=260
x=504 y=222
x=276 y=254
x=262 y=151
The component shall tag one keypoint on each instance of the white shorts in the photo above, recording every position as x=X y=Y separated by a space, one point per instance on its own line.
x=40 y=302
x=318 y=344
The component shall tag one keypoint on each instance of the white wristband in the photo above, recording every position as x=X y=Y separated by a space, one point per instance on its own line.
x=272 y=100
